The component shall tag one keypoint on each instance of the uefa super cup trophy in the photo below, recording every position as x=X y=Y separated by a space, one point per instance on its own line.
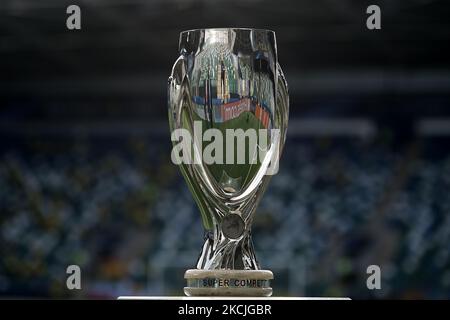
x=228 y=115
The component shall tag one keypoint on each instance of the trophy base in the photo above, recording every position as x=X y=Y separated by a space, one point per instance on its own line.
x=239 y=283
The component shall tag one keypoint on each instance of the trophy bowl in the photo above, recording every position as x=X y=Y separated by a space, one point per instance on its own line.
x=228 y=108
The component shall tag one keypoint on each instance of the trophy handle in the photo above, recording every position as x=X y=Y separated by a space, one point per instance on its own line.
x=179 y=96
x=282 y=110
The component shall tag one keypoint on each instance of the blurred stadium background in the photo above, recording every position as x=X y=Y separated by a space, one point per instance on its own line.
x=85 y=171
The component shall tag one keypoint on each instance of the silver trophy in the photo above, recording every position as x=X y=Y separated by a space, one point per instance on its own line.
x=228 y=114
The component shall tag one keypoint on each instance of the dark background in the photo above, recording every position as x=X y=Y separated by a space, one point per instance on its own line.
x=85 y=171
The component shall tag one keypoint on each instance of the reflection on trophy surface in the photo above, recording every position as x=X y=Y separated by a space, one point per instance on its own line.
x=227 y=91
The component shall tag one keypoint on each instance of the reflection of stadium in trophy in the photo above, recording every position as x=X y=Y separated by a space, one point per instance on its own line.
x=225 y=95
x=232 y=91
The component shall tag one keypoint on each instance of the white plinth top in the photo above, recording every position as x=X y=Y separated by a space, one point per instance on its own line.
x=227 y=298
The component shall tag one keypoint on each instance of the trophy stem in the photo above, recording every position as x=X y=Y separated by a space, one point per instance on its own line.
x=227 y=267
x=221 y=252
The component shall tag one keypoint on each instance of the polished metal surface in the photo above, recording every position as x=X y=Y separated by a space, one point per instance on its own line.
x=229 y=79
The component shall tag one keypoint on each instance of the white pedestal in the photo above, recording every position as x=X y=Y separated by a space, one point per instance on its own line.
x=179 y=298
